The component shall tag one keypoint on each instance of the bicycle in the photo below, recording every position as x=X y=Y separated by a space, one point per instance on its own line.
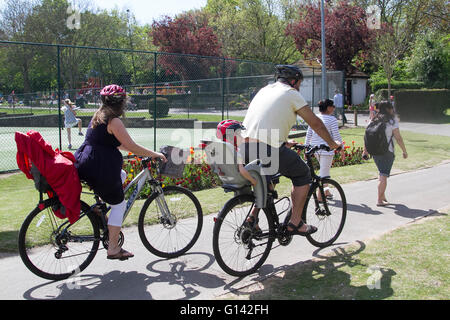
x=169 y=224
x=240 y=248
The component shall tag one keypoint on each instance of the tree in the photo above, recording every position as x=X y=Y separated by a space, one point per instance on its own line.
x=260 y=35
x=186 y=34
x=430 y=59
x=346 y=33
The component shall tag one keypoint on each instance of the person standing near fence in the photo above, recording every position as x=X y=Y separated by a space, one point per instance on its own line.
x=70 y=120
x=325 y=158
x=338 y=101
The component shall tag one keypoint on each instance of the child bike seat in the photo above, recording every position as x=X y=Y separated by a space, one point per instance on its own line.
x=222 y=157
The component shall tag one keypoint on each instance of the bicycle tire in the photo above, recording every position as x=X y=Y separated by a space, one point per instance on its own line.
x=189 y=220
x=37 y=253
x=328 y=222
x=233 y=242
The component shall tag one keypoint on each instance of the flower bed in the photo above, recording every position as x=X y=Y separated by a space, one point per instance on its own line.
x=352 y=155
x=198 y=175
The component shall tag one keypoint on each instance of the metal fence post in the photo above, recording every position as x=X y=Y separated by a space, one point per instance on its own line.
x=223 y=87
x=154 y=101
x=58 y=68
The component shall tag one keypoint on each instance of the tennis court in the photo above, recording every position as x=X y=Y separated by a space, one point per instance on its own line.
x=181 y=138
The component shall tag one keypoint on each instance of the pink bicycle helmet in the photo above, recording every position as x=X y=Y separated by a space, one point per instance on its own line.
x=113 y=90
x=225 y=125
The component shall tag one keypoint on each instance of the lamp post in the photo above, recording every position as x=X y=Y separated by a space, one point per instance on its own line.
x=324 y=57
x=131 y=44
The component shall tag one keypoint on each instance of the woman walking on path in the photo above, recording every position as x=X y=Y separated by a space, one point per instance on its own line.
x=325 y=158
x=385 y=161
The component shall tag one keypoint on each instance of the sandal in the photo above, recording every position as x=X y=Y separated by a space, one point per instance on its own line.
x=121 y=255
x=310 y=230
x=252 y=223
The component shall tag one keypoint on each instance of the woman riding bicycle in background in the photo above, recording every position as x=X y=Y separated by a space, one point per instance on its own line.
x=99 y=161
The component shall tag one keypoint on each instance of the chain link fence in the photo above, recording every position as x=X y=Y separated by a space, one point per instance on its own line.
x=170 y=95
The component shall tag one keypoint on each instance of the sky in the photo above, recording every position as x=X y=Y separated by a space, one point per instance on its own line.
x=146 y=11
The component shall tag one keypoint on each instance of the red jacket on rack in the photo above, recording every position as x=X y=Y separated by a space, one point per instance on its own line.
x=56 y=166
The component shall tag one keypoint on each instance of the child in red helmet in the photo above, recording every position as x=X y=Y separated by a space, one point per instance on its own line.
x=229 y=131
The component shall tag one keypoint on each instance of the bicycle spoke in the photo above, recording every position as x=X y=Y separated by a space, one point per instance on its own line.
x=159 y=234
x=240 y=249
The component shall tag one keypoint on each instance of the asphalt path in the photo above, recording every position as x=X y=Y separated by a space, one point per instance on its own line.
x=196 y=275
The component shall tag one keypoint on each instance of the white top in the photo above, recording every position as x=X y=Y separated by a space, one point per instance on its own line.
x=272 y=113
x=390 y=126
x=330 y=122
x=338 y=100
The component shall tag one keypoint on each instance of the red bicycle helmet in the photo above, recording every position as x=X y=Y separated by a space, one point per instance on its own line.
x=113 y=90
x=229 y=125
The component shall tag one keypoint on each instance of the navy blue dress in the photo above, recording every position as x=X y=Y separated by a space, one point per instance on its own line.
x=99 y=163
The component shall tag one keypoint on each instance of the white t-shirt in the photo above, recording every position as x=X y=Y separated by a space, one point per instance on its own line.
x=330 y=122
x=390 y=126
x=272 y=113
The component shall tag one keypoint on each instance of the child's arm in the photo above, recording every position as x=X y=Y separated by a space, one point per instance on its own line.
x=246 y=175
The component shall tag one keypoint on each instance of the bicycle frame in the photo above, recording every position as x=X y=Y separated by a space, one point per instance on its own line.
x=138 y=183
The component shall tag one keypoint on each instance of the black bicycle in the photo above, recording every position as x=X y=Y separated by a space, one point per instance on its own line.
x=240 y=248
x=169 y=224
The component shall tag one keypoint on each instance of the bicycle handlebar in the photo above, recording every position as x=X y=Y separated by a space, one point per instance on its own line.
x=311 y=149
x=145 y=160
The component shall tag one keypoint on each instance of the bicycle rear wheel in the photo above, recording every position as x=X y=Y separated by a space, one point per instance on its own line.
x=330 y=218
x=158 y=234
x=52 y=248
x=238 y=248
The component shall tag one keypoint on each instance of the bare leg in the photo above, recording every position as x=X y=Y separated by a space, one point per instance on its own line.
x=80 y=126
x=298 y=196
x=113 y=234
x=69 y=138
x=382 y=184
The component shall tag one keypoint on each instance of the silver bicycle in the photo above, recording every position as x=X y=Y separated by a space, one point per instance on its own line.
x=169 y=224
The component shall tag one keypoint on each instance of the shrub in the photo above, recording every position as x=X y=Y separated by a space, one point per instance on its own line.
x=420 y=105
x=395 y=84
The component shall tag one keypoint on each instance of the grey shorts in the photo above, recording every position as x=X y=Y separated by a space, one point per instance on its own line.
x=279 y=160
x=384 y=163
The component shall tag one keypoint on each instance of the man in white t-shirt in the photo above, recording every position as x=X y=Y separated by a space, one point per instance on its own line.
x=338 y=101
x=268 y=121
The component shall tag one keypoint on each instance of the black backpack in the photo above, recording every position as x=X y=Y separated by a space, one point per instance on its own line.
x=375 y=138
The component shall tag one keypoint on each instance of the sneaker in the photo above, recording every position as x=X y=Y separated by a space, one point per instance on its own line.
x=70 y=146
x=80 y=133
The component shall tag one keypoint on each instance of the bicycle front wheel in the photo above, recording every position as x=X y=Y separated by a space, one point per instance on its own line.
x=328 y=217
x=52 y=248
x=169 y=225
x=241 y=249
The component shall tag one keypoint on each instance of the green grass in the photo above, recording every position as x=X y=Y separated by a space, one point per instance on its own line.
x=18 y=196
x=385 y=268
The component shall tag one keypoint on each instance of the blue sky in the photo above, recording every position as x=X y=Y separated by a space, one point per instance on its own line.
x=146 y=11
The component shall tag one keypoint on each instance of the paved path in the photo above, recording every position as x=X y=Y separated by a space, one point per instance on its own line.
x=196 y=275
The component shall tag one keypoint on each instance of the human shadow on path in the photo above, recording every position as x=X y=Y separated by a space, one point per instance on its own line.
x=133 y=285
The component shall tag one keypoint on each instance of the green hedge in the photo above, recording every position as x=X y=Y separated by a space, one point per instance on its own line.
x=395 y=84
x=426 y=104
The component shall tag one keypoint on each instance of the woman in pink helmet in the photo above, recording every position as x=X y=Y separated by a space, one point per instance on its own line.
x=99 y=161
